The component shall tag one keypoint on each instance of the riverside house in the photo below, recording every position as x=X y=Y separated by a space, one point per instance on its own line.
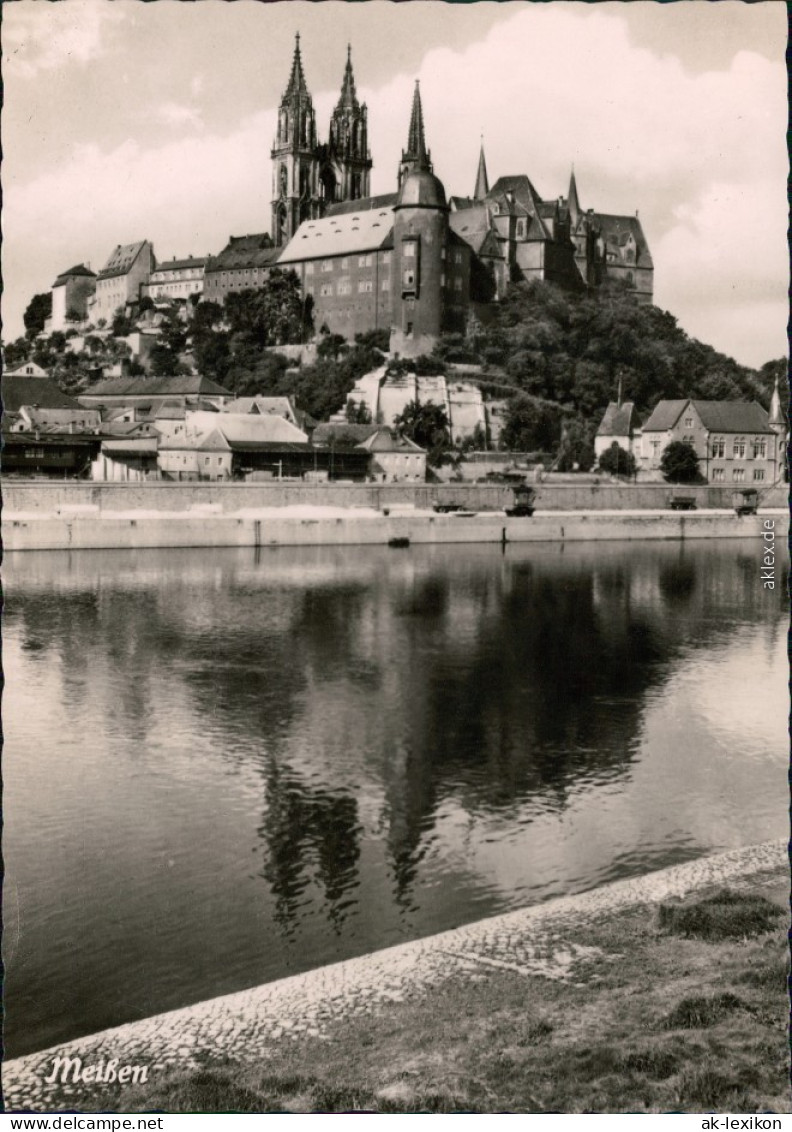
x=737 y=442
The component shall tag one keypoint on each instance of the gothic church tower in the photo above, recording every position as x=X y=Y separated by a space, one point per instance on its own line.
x=295 y=161
x=347 y=161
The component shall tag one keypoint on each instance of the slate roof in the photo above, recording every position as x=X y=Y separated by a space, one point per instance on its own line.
x=256 y=250
x=363 y=230
x=366 y=204
x=716 y=416
x=733 y=416
x=664 y=415
x=522 y=188
x=616 y=230
x=218 y=440
x=254 y=428
x=121 y=259
x=157 y=387
x=279 y=406
x=17 y=391
x=79 y=269
x=471 y=224
x=619 y=420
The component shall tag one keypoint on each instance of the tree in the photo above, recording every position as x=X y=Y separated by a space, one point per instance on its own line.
x=38 y=310
x=531 y=425
x=121 y=324
x=427 y=426
x=272 y=315
x=331 y=345
x=679 y=463
x=16 y=352
x=577 y=445
x=357 y=412
x=617 y=461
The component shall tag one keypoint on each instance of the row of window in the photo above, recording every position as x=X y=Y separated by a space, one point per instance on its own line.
x=325 y=265
x=408 y=248
x=738 y=475
x=364 y=287
x=184 y=460
x=758 y=447
x=757 y=451
x=246 y=272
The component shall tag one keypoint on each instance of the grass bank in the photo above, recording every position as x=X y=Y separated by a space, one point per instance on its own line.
x=682 y=1007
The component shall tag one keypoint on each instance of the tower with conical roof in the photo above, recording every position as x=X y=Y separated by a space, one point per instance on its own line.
x=482 y=180
x=416 y=155
x=347 y=162
x=421 y=272
x=295 y=162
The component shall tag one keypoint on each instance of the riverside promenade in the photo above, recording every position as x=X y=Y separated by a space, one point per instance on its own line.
x=545 y=942
x=52 y=515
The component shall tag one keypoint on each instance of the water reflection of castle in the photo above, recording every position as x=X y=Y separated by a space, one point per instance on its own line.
x=364 y=692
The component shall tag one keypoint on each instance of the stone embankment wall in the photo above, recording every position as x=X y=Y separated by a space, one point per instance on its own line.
x=89 y=529
x=50 y=495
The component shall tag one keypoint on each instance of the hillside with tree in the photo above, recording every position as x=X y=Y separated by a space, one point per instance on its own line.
x=558 y=358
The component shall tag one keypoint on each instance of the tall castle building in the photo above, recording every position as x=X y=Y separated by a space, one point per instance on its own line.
x=415 y=261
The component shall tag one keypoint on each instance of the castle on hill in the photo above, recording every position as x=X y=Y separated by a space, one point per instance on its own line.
x=418 y=261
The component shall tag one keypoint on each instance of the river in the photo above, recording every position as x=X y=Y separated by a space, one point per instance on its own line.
x=224 y=767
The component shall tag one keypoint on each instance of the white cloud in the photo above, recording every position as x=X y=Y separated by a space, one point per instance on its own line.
x=40 y=35
x=175 y=114
x=186 y=196
x=724 y=267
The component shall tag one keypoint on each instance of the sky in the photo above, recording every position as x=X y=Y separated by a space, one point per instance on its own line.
x=126 y=120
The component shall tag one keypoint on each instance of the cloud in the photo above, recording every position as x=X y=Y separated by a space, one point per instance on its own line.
x=42 y=36
x=186 y=196
x=724 y=267
x=175 y=114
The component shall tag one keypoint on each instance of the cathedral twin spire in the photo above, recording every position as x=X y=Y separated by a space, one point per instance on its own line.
x=309 y=176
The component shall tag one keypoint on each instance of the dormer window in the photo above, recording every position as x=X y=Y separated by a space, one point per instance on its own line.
x=520 y=229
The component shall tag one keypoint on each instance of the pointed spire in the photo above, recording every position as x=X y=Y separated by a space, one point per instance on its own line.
x=297 y=84
x=776 y=415
x=348 y=92
x=572 y=199
x=416 y=142
x=482 y=181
